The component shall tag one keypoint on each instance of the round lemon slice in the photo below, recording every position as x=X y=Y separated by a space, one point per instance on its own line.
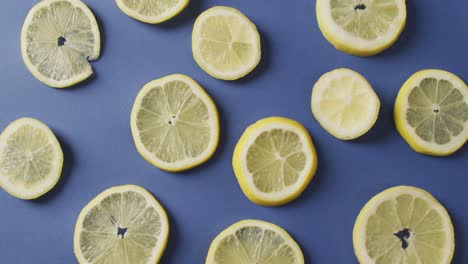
x=361 y=27
x=175 y=123
x=254 y=241
x=152 y=11
x=344 y=103
x=404 y=225
x=58 y=40
x=274 y=161
x=31 y=159
x=122 y=225
x=431 y=112
x=225 y=43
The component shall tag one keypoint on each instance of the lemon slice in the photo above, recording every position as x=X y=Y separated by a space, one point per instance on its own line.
x=225 y=43
x=254 y=241
x=361 y=27
x=175 y=123
x=122 y=225
x=31 y=159
x=403 y=225
x=431 y=112
x=152 y=11
x=274 y=161
x=345 y=104
x=58 y=39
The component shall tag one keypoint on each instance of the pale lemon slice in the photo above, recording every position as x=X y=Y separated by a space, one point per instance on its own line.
x=254 y=241
x=31 y=159
x=345 y=104
x=274 y=161
x=58 y=40
x=122 y=225
x=225 y=43
x=404 y=225
x=175 y=123
x=152 y=11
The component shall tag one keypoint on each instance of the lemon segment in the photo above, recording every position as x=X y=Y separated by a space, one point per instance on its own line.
x=254 y=241
x=403 y=225
x=274 y=161
x=31 y=159
x=431 y=112
x=225 y=43
x=152 y=11
x=58 y=39
x=122 y=225
x=361 y=27
x=175 y=123
x=344 y=104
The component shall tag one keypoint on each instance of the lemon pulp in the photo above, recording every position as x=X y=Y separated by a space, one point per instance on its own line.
x=152 y=11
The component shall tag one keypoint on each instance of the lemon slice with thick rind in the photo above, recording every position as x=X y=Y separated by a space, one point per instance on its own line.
x=403 y=225
x=361 y=27
x=152 y=11
x=175 y=123
x=345 y=104
x=254 y=241
x=122 y=225
x=225 y=43
x=58 y=40
x=274 y=161
x=31 y=159
x=431 y=112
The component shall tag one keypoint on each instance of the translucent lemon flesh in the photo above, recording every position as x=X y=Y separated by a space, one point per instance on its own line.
x=252 y=241
x=30 y=159
x=58 y=39
x=404 y=225
x=152 y=11
x=122 y=226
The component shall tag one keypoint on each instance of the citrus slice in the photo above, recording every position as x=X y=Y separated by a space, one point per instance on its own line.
x=431 y=112
x=152 y=11
x=31 y=159
x=254 y=241
x=344 y=103
x=225 y=43
x=122 y=225
x=175 y=123
x=361 y=27
x=404 y=225
x=58 y=39
x=274 y=161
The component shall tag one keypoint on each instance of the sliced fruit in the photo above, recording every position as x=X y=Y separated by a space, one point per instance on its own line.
x=254 y=241
x=344 y=104
x=274 y=161
x=175 y=123
x=58 y=40
x=431 y=112
x=225 y=43
x=31 y=159
x=361 y=27
x=123 y=224
x=152 y=11
x=404 y=225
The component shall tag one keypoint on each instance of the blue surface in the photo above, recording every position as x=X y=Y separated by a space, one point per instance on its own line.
x=92 y=124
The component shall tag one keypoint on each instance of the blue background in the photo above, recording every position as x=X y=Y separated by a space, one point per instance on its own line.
x=91 y=121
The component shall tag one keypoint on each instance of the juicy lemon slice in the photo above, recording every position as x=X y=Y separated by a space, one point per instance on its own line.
x=361 y=27
x=225 y=43
x=254 y=241
x=175 y=123
x=122 y=225
x=152 y=11
x=31 y=159
x=404 y=225
x=431 y=112
x=345 y=104
x=274 y=161
x=58 y=39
